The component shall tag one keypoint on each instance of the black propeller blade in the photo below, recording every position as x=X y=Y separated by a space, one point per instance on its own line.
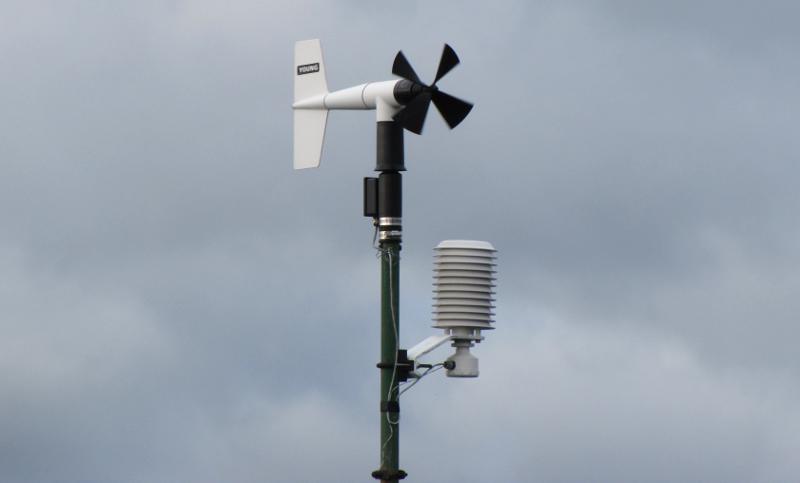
x=452 y=109
x=403 y=69
x=412 y=117
x=448 y=60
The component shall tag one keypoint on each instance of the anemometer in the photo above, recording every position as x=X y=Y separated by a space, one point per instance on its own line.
x=464 y=270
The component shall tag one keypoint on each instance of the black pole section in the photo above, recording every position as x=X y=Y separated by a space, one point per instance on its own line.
x=389 y=212
x=390 y=195
x=390 y=147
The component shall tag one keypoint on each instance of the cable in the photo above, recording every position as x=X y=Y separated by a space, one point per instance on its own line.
x=388 y=253
x=430 y=370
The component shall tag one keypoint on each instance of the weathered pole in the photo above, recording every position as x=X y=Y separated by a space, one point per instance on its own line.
x=384 y=195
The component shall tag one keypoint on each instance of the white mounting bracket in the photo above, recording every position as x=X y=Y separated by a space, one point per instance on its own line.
x=469 y=336
x=466 y=365
x=427 y=345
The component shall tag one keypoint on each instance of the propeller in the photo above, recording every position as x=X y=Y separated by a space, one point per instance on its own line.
x=420 y=95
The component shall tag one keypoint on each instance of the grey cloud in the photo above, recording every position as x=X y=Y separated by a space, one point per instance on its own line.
x=179 y=305
x=598 y=405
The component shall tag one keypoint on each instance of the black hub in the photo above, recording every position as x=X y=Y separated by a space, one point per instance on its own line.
x=417 y=96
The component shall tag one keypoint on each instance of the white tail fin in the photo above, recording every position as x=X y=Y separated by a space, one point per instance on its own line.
x=309 y=122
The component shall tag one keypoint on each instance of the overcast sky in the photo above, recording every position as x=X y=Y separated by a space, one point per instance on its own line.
x=178 y=305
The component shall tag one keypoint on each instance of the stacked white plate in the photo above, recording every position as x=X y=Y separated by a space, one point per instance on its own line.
x=463 y=284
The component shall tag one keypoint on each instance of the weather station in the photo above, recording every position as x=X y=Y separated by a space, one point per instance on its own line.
x=464 y=270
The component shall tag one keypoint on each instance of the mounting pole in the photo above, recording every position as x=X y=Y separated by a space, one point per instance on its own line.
x=388 y=218
x=398 y=104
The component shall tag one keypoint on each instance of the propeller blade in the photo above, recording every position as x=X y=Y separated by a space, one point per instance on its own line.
x=448 y=60
x=413 y=116
x=452 y=109
x=402 y=68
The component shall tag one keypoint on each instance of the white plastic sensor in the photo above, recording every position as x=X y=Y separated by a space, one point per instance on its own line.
x=464 y=281
x=463 y=298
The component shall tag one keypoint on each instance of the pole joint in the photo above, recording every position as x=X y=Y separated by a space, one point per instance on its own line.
x=390 y=228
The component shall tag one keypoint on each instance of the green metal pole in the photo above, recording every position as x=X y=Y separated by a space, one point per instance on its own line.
x=383 y=200
x=390 y=331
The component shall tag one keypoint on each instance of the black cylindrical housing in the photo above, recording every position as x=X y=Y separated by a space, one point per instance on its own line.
x=390 y=195
x=390 y=155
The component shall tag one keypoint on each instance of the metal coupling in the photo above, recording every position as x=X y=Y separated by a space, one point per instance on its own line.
x=390 y=228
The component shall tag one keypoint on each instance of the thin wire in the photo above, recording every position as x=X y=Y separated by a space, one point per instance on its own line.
x=394 y=322
x=430 y=370
x=391 y=423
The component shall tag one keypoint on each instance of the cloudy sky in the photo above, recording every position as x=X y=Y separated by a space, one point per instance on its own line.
x=178 y=305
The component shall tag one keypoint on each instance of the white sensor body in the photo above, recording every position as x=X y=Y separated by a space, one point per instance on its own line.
x=463 y=300
x=464 y=281
x=312 y=101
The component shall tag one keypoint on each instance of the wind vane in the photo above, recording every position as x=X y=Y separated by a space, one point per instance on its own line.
x=464 y=270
